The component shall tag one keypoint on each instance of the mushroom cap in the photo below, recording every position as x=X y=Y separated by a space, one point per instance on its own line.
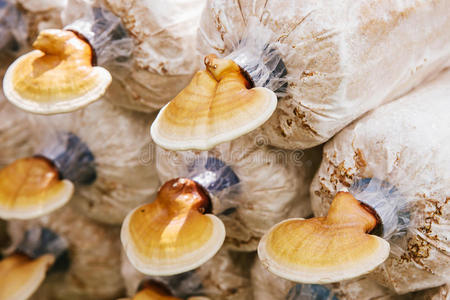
x=154 y=291
x=217 y=106
x=57 y=77
x=147 y=294
x=21 y=276
x=172 y=235
x=325 y=249
x=30 y=187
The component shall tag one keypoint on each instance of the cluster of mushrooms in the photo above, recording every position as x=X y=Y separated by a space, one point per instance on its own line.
x=230 y=150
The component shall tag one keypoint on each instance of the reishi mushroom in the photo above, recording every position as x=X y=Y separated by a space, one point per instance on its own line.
x=89 y=269
x=155 y=290
x=24 y=271
x=31 y=187
x=175 y=233
x=108 y=168
x=343 y=58
x=58 y=76
x=267 y=186
x=326 y=249
x=34 y=186
x=218 y=105
x=404 y=143
x=22 y=276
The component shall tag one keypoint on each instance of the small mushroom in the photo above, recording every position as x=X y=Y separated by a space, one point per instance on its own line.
x=21 y=276
x=34 y=186
x=218 y=105
x=155 y=290
x=31 y=187
x=24 y=271
x=56 y=77
x=152 y=290
x=175 y=233
x=325 y=249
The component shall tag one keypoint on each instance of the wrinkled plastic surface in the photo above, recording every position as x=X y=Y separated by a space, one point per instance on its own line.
x=272 y=185
x=38 y=241
x=404 y=143
x=165 y=57
x=267 y=286
x=343 y=58
x=13 y=27
x=14 y=133
x=14 y=126
x=105 y=33
x=122 y=150
x=224 y=277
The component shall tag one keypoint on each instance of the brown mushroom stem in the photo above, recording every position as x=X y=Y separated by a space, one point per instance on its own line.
x=62 y=44
x=155 y=288
x=347 y=211
x=225 y=68
x=180 y=195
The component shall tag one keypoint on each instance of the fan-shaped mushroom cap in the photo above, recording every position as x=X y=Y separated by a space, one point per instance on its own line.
x=217 y=106
x=325 y=249
x=57 y=77
x=30 y=187
x=172 y=235
x=21 y=276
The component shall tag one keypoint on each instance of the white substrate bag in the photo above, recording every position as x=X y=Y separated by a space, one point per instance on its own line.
x=267 y=286
x=164 y=58
x=342 y=58
x=104 y=150
x=91 y=270
x=14 y=133
x=404 y=146
x=224 y=277
x=252 y=185
x=14 y=126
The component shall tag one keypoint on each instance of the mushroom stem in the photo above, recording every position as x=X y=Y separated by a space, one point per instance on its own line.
x=63 y=44
x=383 y=199
x=105 y=34
x=179 y=196
x=155 y=288
x=225 y=68
x=72 y=157
x=345 y=210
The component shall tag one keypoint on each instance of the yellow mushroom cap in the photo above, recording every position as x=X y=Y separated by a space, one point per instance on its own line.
x=30 y=187
x=21 y=276
x=325 y=249
x=154 y=291
x=57 y=77
x=172 y=235
x=217 y=106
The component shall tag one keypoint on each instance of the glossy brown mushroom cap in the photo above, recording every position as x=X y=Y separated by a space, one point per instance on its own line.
x=173 y=234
